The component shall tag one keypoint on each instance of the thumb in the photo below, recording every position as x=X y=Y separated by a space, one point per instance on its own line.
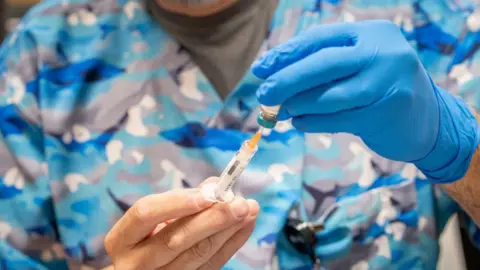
x=144 y=216
x=212 y=179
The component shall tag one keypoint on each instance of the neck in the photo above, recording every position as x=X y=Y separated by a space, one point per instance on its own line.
x=195 y=8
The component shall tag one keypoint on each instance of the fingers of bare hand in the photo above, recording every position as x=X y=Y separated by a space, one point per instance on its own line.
x=201 y=252
x=184 y=233
x=209 y=180
x=142 y=218
x=222 y=256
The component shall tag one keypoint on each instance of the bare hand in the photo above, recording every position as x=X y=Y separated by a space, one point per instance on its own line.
x=202 y=236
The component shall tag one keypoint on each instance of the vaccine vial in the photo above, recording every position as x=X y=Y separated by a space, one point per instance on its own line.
x=267 y=118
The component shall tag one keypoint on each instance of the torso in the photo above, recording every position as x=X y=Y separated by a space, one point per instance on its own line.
x=146 y=120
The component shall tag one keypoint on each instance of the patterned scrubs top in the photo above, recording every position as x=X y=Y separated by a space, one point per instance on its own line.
x=100 y=107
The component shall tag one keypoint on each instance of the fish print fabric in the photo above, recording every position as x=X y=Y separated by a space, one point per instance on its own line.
x=100 y=107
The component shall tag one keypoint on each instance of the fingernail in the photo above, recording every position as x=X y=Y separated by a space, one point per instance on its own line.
x=208 y=192
x=239 y=207
x=249 y=219
x=253 y=208
x=201 y=201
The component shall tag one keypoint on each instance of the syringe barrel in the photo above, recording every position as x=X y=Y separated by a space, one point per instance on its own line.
x=233 y=170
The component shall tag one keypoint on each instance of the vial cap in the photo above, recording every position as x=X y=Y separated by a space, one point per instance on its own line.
x=265 y=123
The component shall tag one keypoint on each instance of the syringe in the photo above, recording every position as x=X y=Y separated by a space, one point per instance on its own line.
x=236 y=167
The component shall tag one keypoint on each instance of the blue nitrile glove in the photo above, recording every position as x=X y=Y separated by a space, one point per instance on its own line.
x=365 y=79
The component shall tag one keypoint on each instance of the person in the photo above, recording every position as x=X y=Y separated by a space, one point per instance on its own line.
x=113 y=114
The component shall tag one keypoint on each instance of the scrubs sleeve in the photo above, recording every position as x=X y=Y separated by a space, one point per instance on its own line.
x=29 y=237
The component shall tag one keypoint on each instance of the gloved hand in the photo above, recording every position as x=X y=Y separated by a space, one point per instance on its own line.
x=365 y=79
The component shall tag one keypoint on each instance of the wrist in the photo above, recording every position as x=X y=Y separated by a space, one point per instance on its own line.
x=457 y=139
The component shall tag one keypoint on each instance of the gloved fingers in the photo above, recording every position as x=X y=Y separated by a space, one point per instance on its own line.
x=336 y=97
x=283 y=114
x=321 y=68
x=303 y=45
x=352 y=121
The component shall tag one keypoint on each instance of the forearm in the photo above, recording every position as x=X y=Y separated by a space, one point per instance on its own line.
x=466 y=191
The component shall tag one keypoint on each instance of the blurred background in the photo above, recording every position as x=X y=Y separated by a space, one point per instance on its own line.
x=457 y=252
x=11 y=11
